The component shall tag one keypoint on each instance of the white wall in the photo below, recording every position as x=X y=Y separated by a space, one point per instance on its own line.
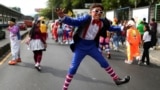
x=80 y=11
x=140 y=13
x=158 y=29
x=110 y=15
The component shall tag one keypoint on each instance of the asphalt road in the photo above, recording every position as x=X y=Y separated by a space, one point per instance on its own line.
x=90 y=76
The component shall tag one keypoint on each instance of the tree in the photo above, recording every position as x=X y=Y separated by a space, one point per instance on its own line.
x=52 y=5
x=110 y=4
x=16 y=9
x=67 y=5
x=46 y=13
x=80 y=4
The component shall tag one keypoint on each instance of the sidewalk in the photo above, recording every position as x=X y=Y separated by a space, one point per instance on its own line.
x=5 y=43
x=154 y=54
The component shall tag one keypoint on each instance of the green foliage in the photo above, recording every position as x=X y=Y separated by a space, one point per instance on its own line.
x=110 y=4
x=46 y=12
x=80 y=4
x=67 y=5
x=16 y=9
x=54 y=3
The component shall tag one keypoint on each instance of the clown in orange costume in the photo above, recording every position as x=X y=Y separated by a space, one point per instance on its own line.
x=133 y=43
x=54 y=30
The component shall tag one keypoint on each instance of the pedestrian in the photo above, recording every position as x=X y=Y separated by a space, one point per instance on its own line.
x=140 y=28
x=123 y=32
x=54 y=30
x=146 y=45
x=133 y=41
x=14 y=41
x=153 y=26
x=60 y=33
x=144 y=21
x=116 y=35
x=68 y=34
x=37 y=44
x=86 y=42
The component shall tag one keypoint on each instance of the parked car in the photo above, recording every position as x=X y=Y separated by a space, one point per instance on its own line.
x=2 y=34
x=22 y=26
x=28 y=23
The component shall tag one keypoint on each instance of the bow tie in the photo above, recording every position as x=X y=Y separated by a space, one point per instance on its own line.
x=95 y=22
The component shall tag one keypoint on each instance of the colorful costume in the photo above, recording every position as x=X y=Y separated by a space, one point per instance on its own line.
x=54 y=30
x=133 y=44
x=14 y=42
x=104 y=44
x=68 y=33
x=86 y=42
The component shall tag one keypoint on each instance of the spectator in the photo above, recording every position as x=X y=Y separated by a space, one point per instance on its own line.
x=54 y=30
x=153 y=26
x=140 y=28
x=60 y=33
x=146 y=45
x=144 y=21
x=116 y=35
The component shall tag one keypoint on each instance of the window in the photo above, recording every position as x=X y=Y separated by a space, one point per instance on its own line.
x=0 y=19
x=157 y=12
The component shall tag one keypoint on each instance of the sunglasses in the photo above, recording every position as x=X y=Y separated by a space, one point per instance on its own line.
x=98 y=11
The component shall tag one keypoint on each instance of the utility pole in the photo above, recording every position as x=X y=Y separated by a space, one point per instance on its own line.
x=135 y=3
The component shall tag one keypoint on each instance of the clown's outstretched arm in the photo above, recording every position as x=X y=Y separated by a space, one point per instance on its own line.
x=115 y=28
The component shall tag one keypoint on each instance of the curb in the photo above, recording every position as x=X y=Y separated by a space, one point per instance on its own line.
x=4 y=50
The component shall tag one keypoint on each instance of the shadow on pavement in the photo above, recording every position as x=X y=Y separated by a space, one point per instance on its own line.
x=120 y=56
x=62 y=73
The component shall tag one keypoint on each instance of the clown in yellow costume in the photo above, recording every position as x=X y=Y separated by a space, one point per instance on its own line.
x=133 y=42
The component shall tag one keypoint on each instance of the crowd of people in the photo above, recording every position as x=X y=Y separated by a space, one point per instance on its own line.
x=62 y=33
x=89 y=35
x=134 y=36
x=121 y=35
x=131 y=33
